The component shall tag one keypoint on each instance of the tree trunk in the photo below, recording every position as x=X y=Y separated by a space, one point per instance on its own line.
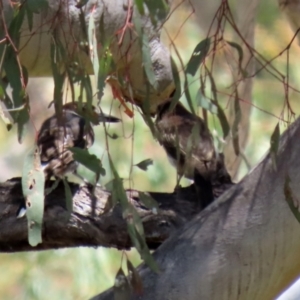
x=244 y=246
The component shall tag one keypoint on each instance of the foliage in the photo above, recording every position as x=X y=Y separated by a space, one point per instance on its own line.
x=207 y=89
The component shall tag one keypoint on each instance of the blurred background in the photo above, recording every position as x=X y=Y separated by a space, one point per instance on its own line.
x=84 y=272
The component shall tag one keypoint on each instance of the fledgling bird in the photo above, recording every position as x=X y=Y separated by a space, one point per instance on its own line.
x=70 y=130
x=190 y=147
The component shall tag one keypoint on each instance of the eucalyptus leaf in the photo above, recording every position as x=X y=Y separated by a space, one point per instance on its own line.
x=143 y=165
x=274 y=143
x=198 y=56
x=33 y=181
x=68 y=195
x=289 y=197
x=90 y=161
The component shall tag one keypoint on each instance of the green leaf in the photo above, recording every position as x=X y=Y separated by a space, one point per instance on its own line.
x=239 y=50
x=36 y=6
x=221 y=115
x=149 y=202
x=206 y=103
x=134 y=223
x=33 y=181
x=198 y=56
x=57 y=53
x=146 y=55
x=90 y=161
x=68 y=195
x=93 y=46
x=158 y=10
x=177 y=82
x=289 y=197
x=188 y=95
x=140 y=6
x=121 y=288
x=274 y=143
x=235 y=125
x=143 y=165
x=135 y=279
x=223 y=120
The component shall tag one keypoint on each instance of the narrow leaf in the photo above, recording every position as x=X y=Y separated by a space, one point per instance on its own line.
x=90 y=161
x=33 y=181
x=239 y=50
x=121 y=288
x=68 y=195
x=206 y=103
x=149 y=202
x=143 y=165
x=289 y=197
x=235 y=125
x=274 y=143
x=135 y=278
x=198 y=56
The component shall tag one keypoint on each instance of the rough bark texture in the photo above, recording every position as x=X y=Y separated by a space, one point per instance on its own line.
x=243 y=246
x=94 y=221
x=113 y=25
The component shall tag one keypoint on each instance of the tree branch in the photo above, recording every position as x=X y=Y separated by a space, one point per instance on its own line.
x=92 y=222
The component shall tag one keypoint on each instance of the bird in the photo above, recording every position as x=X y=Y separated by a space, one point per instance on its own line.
x=190 y=147
x=74 y=128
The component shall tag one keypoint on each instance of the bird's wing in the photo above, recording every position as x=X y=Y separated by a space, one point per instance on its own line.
x=54 y=141
x=189 y=136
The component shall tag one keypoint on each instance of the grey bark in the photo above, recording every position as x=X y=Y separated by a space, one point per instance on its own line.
x=243 y=246
x=94 y=221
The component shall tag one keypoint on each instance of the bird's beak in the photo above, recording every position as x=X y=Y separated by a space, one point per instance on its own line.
x=107 y=118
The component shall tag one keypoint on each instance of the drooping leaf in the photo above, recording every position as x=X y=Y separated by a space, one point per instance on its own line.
x=143 y=165
x=289 y=197
x=36 y=6
x=140 y=6
x=149 y=202
x=93 y=46
x=33 y=181
x=206 y=103
x=274 y=143
x=158 y=10
x=134 y=223
x=239 y=50
x=68 y=195
x=135 y=279
x=223 y=120
x=198 y=56
x=146 y=56
x=235 y=125
x=177 y=94
x=57 y=58
x=188 y=95
x=90 y=161
x=20 y=113
x=121 y=288
x=221 y=115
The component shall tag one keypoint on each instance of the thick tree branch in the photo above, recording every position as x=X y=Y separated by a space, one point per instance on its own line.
x=92 y=222
x=114 y=27
x=243 y=246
